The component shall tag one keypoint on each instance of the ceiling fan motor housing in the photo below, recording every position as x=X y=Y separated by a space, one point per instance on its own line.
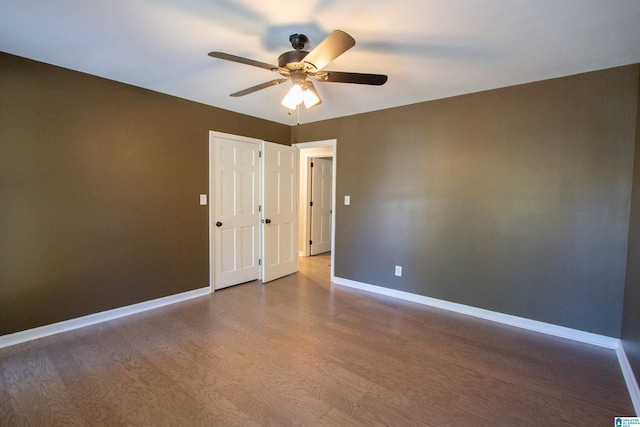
x=291 y=57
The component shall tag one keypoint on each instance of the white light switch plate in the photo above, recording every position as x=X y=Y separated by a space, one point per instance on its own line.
x=203 y=199
x=347 y=200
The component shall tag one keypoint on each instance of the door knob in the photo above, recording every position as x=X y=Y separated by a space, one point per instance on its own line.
x=268 y=221
x=218 y=224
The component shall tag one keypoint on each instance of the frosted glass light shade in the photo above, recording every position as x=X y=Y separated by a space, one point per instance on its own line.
x=293 y=98
x=310 y=98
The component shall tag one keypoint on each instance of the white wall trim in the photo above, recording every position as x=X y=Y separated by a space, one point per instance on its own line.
x=313 y=144
x=507 y=319
x=629 y=378
x=92 y=319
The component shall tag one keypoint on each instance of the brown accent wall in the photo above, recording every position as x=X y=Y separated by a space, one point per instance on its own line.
x=514 y=200
x=631 y=315
x=99 y=185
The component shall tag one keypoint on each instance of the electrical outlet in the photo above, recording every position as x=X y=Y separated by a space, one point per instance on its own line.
x=398 y=270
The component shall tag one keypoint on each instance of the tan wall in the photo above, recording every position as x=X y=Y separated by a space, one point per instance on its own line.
x=631 y=315
x=514 y=200
x=99 y=185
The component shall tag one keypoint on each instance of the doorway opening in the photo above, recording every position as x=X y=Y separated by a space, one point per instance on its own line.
x=325 y=149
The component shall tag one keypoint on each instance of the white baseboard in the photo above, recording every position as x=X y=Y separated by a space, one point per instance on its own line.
x=92 y=319
x=507 y=319
x=629 y=378
x=520 y=322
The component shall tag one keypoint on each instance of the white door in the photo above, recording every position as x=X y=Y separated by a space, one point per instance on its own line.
x=279 y=211
x=235 y=212
x=320 y=205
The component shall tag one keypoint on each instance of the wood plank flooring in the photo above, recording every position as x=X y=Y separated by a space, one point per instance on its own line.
x=300 y=351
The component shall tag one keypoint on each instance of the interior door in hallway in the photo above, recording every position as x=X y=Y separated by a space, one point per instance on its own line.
x=280 y=211
x=321 y=179
x=235 y=212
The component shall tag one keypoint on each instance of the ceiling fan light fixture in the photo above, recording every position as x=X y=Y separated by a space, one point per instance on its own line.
x=299 y=93
x=294 y=97
x=311 y=97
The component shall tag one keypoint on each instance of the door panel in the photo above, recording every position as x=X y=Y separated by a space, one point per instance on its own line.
x=235 y=184
x=321 y=187
x=280 y=211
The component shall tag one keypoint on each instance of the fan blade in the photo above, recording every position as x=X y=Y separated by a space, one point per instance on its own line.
x=258 y=87
x=334 y=45
x=241 y=60
x=357 y=78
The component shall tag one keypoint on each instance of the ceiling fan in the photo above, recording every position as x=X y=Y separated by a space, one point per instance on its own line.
x=300 y=65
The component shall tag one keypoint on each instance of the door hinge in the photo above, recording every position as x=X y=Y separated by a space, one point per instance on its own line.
x=259 y=208
x=259 y=153
x=311 y=164
x=310 y=203
x=311 y=242
x=259 y=261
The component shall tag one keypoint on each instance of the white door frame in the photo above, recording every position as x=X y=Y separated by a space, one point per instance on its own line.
x=328 y=143
x=306 y=154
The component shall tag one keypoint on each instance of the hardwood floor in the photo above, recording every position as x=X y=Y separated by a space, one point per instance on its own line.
x=300 y=351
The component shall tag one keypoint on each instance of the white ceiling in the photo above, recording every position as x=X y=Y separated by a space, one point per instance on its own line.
x=430 y=49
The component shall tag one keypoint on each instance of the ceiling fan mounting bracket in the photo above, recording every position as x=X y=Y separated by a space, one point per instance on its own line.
x=298 y=41
x=321 y=76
